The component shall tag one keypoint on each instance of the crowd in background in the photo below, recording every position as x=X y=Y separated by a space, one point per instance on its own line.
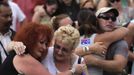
x=66 y=37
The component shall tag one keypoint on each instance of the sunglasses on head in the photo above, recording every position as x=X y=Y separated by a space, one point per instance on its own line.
x=107 y=17
x=112 y=1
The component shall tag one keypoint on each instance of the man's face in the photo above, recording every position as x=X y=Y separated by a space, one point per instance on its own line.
x=5 y=18
x=107 y=21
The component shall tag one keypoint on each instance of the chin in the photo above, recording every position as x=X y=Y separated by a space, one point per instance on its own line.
x=59 y=58
x=108 y=29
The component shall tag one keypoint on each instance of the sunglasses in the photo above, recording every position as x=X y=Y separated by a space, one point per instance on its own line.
x=112 y=1
x=107 y=17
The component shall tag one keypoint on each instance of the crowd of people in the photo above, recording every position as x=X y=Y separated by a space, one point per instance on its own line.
x=66 y=37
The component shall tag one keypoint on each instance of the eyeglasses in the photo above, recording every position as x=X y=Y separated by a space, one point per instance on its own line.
x=112 y=1
x=64 y=50
x=107 y=17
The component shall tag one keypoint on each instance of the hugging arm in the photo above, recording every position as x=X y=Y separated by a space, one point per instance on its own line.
x=109 y=37
x=102 y=41
x=115 y=64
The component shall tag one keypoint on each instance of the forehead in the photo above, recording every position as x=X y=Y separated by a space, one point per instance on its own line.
x=42 y=37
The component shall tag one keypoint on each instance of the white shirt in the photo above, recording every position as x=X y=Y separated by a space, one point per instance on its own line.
x=4 y=39
x=17 y=14
x=48 y=62
x=86 y=41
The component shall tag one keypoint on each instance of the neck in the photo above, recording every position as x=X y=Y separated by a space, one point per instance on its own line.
x=65 y=65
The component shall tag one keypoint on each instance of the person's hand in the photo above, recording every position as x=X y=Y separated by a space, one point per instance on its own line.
x=19 y=47
x=79 y=68
x=98 y=48
x=91 y=60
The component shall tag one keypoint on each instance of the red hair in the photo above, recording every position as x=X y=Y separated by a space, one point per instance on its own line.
x=29 y=34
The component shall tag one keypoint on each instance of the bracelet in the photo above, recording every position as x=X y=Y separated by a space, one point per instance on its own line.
x=73 y=70
x=85 y=49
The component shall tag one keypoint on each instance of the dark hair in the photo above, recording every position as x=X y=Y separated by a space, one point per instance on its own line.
x=4 y=3
x=88 y=22
x=51 y=2
x=29 y=34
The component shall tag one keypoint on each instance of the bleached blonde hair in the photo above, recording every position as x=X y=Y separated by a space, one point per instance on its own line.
x=68 y=35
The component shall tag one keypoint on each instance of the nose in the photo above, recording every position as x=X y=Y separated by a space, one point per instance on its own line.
x=110 y=20
x=60 y=51
x=44 y=46
x=9 y=18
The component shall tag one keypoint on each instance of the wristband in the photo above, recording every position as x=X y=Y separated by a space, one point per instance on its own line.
x=73 y=70
x=85 y=49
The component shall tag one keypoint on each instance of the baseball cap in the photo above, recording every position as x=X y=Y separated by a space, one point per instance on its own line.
x=107 y=9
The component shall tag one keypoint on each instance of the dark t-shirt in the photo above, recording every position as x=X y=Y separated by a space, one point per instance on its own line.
x=116 y=48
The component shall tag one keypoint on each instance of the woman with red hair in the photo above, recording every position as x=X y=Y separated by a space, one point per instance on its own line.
x=37 y=38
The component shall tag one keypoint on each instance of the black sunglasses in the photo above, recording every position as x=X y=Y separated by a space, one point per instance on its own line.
x=107 y=17
x=112 y=1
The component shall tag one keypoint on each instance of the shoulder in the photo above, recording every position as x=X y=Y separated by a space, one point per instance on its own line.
x=23 y=62
x=120 y=43
x=119 y=48
x=28 y=65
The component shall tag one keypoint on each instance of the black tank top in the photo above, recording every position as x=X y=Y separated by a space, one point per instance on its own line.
x=7 y=68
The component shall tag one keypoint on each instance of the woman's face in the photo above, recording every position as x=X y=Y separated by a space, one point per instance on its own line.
x=115 y=3
x=62 y=51
x=51 y=8
x=65 y=21
x=40 y=49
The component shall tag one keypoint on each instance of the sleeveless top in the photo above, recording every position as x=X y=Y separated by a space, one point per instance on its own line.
x=87 y=41
x=48 y=62
x=7 y=68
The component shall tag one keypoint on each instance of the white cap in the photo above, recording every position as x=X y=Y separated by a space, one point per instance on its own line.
x=107 y=9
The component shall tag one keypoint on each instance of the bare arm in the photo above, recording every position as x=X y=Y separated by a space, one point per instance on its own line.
x=115 y=64
x=109 y=37
x=130 y=40
x=27 y=65
x=36 y=17
x=97 y=48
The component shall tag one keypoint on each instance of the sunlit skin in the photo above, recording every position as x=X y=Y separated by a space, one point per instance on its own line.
x=107 y=25
x=41 y=49
x=62 y=51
